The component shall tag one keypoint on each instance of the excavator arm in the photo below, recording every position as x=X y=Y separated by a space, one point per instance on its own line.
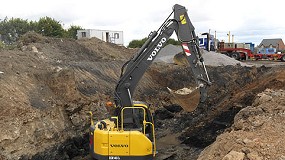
x=130 y=133
x=134 y=69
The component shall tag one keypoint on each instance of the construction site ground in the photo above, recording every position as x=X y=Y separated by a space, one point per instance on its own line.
x=48 y=86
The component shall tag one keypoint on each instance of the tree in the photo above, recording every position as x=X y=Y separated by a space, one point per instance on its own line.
x=72 y=31
x=49 y=27
x=173 y=41
x=12 y=29
x=139 y=43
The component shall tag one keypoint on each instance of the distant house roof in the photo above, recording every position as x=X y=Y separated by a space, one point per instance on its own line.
x=275 y=43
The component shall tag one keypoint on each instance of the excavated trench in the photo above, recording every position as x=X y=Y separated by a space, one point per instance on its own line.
x=46 y=94
x=234 y=87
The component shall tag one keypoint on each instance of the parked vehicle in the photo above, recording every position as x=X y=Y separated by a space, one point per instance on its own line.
x=244 y=51
x=205 y=41
x=238 y=51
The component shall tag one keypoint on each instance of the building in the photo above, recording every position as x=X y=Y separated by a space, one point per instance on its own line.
x=115 y=37
x=273 y=43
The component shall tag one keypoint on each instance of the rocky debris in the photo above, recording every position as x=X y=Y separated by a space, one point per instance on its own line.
x=233 y=155
x=257 y=132
x=182 y=91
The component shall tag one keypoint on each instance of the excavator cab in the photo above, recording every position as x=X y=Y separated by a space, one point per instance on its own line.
x=140 y=119
x=129 y=136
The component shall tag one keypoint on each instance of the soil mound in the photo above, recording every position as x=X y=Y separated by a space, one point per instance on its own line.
x=257 y=132
x=48 y=86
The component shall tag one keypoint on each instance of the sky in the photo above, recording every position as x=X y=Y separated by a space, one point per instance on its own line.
x=246 y=20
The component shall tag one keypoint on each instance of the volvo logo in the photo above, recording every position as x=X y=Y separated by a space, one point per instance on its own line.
x=119 y=145
x=156 y=49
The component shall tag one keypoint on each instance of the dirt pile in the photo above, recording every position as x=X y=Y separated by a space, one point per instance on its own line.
x=218 y=59
x=257 y=133
x=174 y=54
x=49 y=85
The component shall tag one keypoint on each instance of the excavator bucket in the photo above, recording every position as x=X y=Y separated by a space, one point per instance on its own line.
x=187 y=98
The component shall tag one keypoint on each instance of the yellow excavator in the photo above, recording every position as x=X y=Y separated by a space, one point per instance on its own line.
x=130 y=133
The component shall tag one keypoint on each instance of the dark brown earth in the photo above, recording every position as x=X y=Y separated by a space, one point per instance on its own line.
x=49 y=85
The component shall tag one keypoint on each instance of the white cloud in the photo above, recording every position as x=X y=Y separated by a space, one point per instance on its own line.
x=248 y=20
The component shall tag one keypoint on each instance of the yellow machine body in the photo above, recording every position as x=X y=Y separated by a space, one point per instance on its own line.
x=108 y=141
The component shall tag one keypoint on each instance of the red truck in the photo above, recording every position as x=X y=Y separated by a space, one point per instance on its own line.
x=241 y=51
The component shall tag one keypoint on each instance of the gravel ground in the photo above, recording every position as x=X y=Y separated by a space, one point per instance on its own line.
x=216 y=59
x=211 y=58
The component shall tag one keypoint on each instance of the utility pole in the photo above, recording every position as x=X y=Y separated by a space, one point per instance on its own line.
x=229 y=36
x=209 y=43
x=215 y=43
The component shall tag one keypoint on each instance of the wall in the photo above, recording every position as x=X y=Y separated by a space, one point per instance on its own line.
x=105 y=35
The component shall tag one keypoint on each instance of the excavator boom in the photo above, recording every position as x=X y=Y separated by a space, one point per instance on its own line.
x=130 y=133
x=135 y=68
